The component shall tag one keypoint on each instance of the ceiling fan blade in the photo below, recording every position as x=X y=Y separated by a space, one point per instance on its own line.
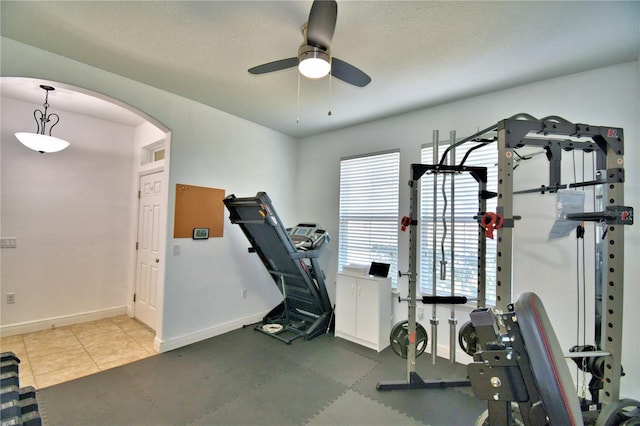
x=348 y=73
x=274 y=66
x=322 y=23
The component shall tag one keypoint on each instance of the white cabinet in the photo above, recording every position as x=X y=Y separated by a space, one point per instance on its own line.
x=363 y=310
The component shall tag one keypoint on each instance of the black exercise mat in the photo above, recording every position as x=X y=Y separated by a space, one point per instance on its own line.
x=248 y=378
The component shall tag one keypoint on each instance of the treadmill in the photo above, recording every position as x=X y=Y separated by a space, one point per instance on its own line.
x=291 y=257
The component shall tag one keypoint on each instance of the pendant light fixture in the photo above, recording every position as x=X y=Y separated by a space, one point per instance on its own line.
x=40 y=141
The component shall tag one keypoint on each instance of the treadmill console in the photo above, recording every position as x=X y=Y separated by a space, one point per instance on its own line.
x=308 y=236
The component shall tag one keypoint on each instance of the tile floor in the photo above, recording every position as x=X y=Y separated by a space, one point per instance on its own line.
x=61 y=354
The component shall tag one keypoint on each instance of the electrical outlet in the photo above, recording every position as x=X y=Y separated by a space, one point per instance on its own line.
x=420 y=313
x=11 y=298
x=176 y=249
x=243 y=293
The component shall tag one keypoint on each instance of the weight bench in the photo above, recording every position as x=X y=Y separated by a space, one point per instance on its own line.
x=306 y=309
x=520 y=367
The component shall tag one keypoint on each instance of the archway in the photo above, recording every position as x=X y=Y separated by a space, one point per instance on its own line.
x=74 y=213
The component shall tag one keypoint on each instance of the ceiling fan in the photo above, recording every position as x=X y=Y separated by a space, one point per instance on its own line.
x=314 y=58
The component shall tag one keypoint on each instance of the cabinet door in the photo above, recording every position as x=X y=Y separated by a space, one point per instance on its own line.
x=346 y=304
x=367 y=310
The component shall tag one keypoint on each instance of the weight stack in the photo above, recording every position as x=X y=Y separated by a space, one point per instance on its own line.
x=19 y=406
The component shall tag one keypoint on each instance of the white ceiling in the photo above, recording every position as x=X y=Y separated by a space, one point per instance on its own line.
x=418 y=53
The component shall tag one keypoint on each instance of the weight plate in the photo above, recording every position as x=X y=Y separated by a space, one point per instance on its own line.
x=468 y=338
x=399 y=339
x=622 y=412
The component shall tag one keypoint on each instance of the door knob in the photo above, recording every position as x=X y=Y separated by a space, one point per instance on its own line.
x=157 y=260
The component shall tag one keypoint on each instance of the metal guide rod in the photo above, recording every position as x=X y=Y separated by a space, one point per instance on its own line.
x=599 y=268
x=434 y=319
x=586 y=354
x=482 y=251
x=453 y=321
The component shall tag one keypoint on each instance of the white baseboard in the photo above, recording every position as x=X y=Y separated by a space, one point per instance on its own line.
x=61 y=321
x=187 y=339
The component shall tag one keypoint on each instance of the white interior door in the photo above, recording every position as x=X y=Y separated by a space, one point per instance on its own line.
x=148 y=254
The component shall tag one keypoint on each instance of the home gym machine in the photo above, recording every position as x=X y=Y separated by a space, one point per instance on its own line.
x=554 y=134
x=603 y=360
x=291 y=258
x=409 y=339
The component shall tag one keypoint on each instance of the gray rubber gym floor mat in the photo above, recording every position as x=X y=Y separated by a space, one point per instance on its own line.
x=247 y=378
x=369 y=413
x=286 y=399
x=440 y=406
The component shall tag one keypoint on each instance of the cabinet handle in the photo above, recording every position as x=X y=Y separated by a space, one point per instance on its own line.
x=353 y=288
x=360 y=291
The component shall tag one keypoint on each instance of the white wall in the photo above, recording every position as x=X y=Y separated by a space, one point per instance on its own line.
x=208 y=148
x=70 y=213
x=608 y=97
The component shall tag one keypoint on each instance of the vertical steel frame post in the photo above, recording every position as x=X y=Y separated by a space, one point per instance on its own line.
x=613 y=271
x=504 y=207
x=413 y=278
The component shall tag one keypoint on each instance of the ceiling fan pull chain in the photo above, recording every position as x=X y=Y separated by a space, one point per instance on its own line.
x=298 y=106
x=330 y=97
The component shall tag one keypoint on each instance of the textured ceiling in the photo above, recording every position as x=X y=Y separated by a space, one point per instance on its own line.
x=418 y=54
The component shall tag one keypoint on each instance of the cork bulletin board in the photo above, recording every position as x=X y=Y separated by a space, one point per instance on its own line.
x=198 y=207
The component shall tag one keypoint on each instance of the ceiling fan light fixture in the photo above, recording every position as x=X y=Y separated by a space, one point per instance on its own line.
x=39 y=141
x=313 y=62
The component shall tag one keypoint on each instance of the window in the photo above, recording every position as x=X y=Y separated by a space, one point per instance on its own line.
x=153 y=153
x=369 y=224
x=465 y=228
x=158 y=155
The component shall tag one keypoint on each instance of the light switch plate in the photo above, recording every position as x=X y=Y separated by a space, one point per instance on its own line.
x=8 y=242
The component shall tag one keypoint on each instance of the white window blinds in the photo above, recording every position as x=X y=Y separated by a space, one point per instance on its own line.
x=369 y=210
x=464 y=229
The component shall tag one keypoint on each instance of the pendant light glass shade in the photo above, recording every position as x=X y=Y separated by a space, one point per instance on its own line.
x=39 y=141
